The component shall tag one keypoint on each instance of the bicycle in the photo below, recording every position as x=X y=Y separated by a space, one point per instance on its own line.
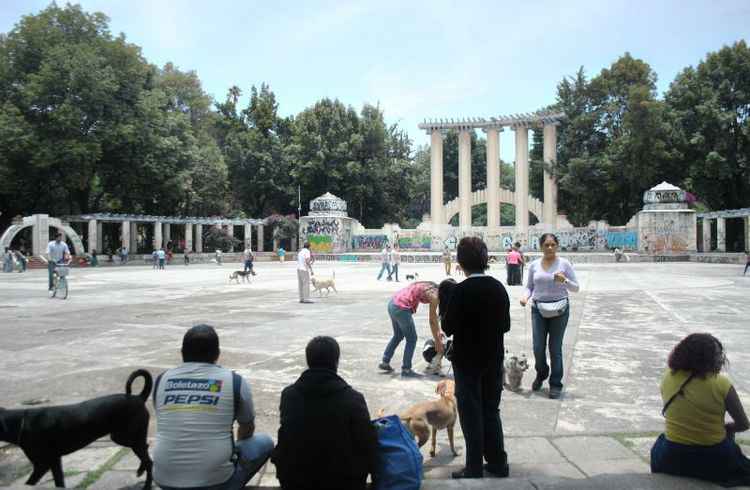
x=60 y=281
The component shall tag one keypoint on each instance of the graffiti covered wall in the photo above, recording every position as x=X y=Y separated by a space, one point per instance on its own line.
x=327 y=234
x=369 y=242
x=667 y=232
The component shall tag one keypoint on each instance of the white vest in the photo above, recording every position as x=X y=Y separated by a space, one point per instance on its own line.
x=194 y=415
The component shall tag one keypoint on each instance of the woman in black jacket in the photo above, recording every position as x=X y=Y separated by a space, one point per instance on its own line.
x=478 y=315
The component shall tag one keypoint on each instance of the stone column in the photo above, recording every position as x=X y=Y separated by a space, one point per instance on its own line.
x=167 y=234
x=199 y=239
x=188 y=237
x=522 y=178
x=125 y=235
x=550 y=185
x=260 y=238
x=293 y=244
x=436 y=177
x=721 y=234
x=158 y=241
x=249 y=236
x=493 y=176
x=464 y=178
x=133 y=248
x=706 y=235
x=99 y=237
x=40 y=234
x=93 y=236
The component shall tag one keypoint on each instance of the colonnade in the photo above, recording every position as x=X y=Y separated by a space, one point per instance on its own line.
x=520 y=124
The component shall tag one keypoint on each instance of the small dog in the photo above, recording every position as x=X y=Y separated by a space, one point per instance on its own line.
x=327 y=284
x=513 y=369
x=437 y=414
x=412 y=277
x=236 y=275
x=46 y=434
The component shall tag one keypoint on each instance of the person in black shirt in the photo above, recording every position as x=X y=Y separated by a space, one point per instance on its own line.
x=478 y=316
x=326 y=439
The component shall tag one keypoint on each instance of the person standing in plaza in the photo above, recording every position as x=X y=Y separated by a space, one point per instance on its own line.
x=385 y=260
x=447 y=260
x=478 y=317
x=57 y=253
x=186 y=256
x=248 y=258
x=401 y=309
x=304 y=271
x=155 y=258
x=7 y=260
x=94 y=258
x=747 y=261
x=21 y=258
x=521 y=264
x=513 y=261
x=219 y=257
x=395 y=262
x=162 y=256
x=282 y=254
x=548 y=283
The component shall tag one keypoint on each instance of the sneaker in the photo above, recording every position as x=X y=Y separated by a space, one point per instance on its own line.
x=384 y=366
x=537 y=384
x=409 y=373
x=555 y=393
x=497 y=471
x=433 y=370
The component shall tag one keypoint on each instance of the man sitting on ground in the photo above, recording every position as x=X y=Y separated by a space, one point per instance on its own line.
x=196 y=406
x=325 y=437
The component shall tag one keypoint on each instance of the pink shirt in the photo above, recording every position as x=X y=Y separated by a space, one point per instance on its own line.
x=413 y=294
x=514 y=257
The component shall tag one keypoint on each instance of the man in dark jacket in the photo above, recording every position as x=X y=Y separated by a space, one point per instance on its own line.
x=478 y=315
x=326 y=439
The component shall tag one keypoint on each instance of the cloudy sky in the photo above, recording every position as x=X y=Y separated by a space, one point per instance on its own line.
x=416 y=59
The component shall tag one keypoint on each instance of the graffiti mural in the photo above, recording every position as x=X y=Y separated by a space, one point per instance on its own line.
x=320 y=243
x=626 y=240
x=369 y=242
x=323 y=226
x=415 y=242
x=668 y=236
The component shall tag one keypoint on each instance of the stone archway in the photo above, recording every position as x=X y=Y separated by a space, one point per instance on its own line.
x=40 y=224
x=506 y=196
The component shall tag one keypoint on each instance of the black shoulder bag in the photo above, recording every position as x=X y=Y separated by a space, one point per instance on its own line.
x=679 y=392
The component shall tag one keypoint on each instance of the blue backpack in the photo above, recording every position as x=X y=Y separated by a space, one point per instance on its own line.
x=400 y=464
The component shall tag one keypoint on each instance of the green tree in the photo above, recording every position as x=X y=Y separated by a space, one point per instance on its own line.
x=711 y=108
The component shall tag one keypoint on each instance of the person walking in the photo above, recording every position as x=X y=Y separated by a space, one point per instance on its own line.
x=401 y=309
x=186 y=256
x=219 y=257
x=385 y=259
x=395 y=262
x=7 y=260
x=94 y=258
x=155 y=258
x=747 y=261
x=248 y=259
x=521 y=264
x=447 y=260
x=21 y=259
x=697 y=442
x=282 y=254
x=304 y=271
x=547 y=285
x=478 y=317
x=514 y=267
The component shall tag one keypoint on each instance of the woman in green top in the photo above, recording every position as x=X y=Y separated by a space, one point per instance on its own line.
x=697 y=443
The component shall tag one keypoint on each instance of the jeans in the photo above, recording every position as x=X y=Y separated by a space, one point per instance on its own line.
x=253 y=454
x=394 y=270
x=50 y=268
x=385 y=268
x=161 y=263
x=746 y=266
x=555 y=329
x=248 y=265
x=478 y=392
x=403 y=327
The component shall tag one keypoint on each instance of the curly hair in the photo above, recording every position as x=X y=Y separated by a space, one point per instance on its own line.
x=699 y=353
x=472 y=255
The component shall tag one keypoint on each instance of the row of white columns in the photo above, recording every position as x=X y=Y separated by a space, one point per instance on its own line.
x=163 y=234
x=493 y=176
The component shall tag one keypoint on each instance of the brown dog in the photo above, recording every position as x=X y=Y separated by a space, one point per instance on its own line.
x=437 y=414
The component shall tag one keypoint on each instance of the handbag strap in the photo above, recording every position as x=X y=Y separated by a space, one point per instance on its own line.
x=679 y=392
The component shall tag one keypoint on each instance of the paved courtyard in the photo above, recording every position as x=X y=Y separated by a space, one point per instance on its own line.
x=624 y=322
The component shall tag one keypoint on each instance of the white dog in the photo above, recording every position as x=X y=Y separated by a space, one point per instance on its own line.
x=513 y=370
x=320 y=284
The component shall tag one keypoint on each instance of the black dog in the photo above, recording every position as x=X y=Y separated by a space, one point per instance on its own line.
x=46 y=434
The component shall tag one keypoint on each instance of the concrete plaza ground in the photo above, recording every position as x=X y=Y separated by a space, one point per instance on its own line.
x=624 y=322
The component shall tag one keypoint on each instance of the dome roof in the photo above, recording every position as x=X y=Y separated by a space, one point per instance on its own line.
x=328 y=205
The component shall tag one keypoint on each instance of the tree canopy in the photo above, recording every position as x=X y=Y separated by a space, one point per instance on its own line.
x=88 y=124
